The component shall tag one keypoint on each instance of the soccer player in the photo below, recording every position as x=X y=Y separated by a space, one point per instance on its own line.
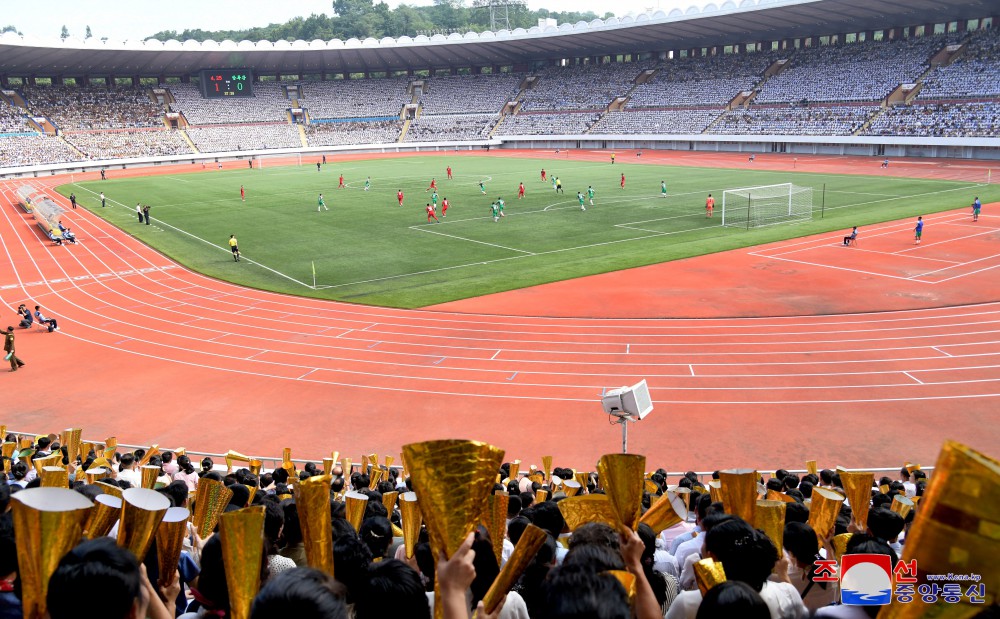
x=320 y=204
x=709 y=205
x=318 y=164
x=590 y=194
x=430 y=214
x=495 y=210
x=104 y=176
x=399 y=196
x=752 y=157
x=243 y=194
x=977 y=206
x=543 y=174
x=72 y=199
x=554 y=181
x=500 y=205
x=612 y=159
x=104 y=200
x=663 y=189
x=520 y=191
x=341 y=185
x=559 y=187
x=434 y=198
x=368 y=183
x=234 y=247
x=579 y=196
x=919 y=230
x=623 y=181
x=482 y=188
x=433 y=186
x=444 y=207
x=449 y=172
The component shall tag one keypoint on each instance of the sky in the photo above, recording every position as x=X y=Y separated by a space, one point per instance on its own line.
x=138 y=19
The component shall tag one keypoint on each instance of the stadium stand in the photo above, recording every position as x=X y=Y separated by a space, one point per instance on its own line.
x=90 y=107
x=244 y=137
x=126 y=144
x=976 y=73
x=357 y=98
x=547 y=124
x=939 y=120
x=349 y=133
x=11 y=119
x=794 y=120
x=268 y=104
x=688 y=120
x=469 y=93
x=450 y=127
x=714 y=80
x=582 y=87
x=34 y=150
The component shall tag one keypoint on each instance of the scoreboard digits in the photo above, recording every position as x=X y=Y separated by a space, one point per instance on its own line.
x=218 y=83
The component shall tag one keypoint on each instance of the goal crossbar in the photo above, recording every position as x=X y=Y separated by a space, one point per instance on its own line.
x=765 y=205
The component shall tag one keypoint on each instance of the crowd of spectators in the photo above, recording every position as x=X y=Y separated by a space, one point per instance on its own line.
x=694 y=81
x=11 y=119
x=269 y=103
x=350 y=133
x=794 y=120
x=244 y=137
x=450 y=127
x=467 y=94
x=976 y=72
x=945 y=120
x=16 y=151
x=681 y=121
x=356 y=98
x=94 y=107
x=127 y=144
x=572 y=123
x=582 y=87
x=377 y=576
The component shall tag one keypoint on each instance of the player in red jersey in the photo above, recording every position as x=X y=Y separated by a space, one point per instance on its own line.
x=444 y=207
x=623 y=181
x=399 y=196
x=433 y=186
x=520 y=191
x=243 y=194
x=430 y=214
x=342 y=185
x=449 y=172
x=543 y=174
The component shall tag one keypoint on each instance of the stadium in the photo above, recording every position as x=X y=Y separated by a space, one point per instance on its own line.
x=666 y=197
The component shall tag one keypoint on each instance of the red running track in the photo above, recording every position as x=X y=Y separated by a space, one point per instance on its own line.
x=155 y=353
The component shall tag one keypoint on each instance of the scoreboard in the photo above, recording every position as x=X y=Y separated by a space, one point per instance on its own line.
x=218 y=83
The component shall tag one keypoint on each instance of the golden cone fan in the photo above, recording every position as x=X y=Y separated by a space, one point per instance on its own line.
x=111 y=489
x=85 y=449
x=627 y=580
x=347 y=468
x=547 y=466
x=685 y=495
x=27 y=442
x=142 y=511
x=774 y=495
x=70 y=437
x=354 y=508
x=541 y=496
x=152 y=451
x=48 y=522
x=515 y=468
x=149 y=475
x=409 y=513
x=524 y=553
x=110 y=446
x=536 y=477
x=328 y=466
x=955 y=531
x=581 y=478
x=840 y=545
x=739 y=492
x=666 y=512
x=7 y=449
x=210 y=500
x=235 y=456
x=622 y=477
x=495 y=521
x=901 y=505
x=388 y=461
x=823 y=511
x=103 y=515
x=255 y=466
x=3 y=432
x=811 y=467
x=55 y=477
x=40 y=463
x=312 y=497
x=571 y=487
x=769 y=517
x=715 y=490
x=396 y=531
x=94 y=475
x=884 y=488
x=169 y=540
x=389 y=500
x=242 y=535
x=286 y=459
x=708 y=573
x=100 y=462
x=374 y=478
x=858 y=491
x=372 y=460
x=579 y=510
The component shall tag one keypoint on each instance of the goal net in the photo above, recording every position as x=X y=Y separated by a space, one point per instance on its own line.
x=753 y=207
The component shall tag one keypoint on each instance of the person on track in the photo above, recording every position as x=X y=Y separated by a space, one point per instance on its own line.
x=977 y=206
x=918 y=231
x=72 y=200
x=234 y=247
x=8 y=347
x=851 y=237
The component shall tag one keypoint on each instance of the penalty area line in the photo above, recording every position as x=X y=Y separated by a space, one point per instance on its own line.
x=462 y=238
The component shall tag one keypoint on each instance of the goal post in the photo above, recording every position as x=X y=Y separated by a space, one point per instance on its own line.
x=766 y=205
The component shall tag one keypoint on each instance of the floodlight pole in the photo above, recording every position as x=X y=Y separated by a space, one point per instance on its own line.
x=623 y=421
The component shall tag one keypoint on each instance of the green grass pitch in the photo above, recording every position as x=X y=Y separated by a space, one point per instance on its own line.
x=366 y=249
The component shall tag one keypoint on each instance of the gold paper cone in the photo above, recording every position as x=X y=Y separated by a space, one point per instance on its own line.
x=650 y=486
x=858 y=490
x=376 y=476
x=409 y=513
x=901 y=505
x=396 y=531
x=149 y=475
x=495 y=521
x=537 y=477
x=774 y=495
x=27 y=442
x=106 y=511
x=541 y=496
x=55 y=477
x=524 y=553
x=579 y=510
x=769 y=517
x=235 y=456
x=53 y=460
x=152 y=451
x=255 y=465
x=389 y=500
x=169 y=539
x=684 y=494
x=708 y=573
x=85 y=449
x=571 y=487
x=840 y=545
x=884 y=488
x=582 y=478
x=242 y=536
x=111 y=489
x=547 y=466
x=666 y=512
x=312 y=497
x=142 y=511
x=355 y=504
x=101 y=462
x=210 y=500
x=110 y=446
x=347 y=467
x=955 y=531
x=715 y=490
x=811 y=467
x=70 y=437
x=286 y=459
x=48 y=522
x=739 y=492
x=328 y=466
x=622 y=477
x=373 y=460
x=627 y=579
x=515 y=468
x=3 y=432
x=823 y=511
x=7 y=449
x=95 y=475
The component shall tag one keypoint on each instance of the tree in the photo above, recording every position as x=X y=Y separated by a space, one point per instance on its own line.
x=64 y=34
x=89 y=33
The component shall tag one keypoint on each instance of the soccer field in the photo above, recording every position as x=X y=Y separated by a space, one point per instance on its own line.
x=367 y=249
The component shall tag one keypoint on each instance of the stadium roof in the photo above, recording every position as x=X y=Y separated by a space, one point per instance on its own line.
x=723 y=24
